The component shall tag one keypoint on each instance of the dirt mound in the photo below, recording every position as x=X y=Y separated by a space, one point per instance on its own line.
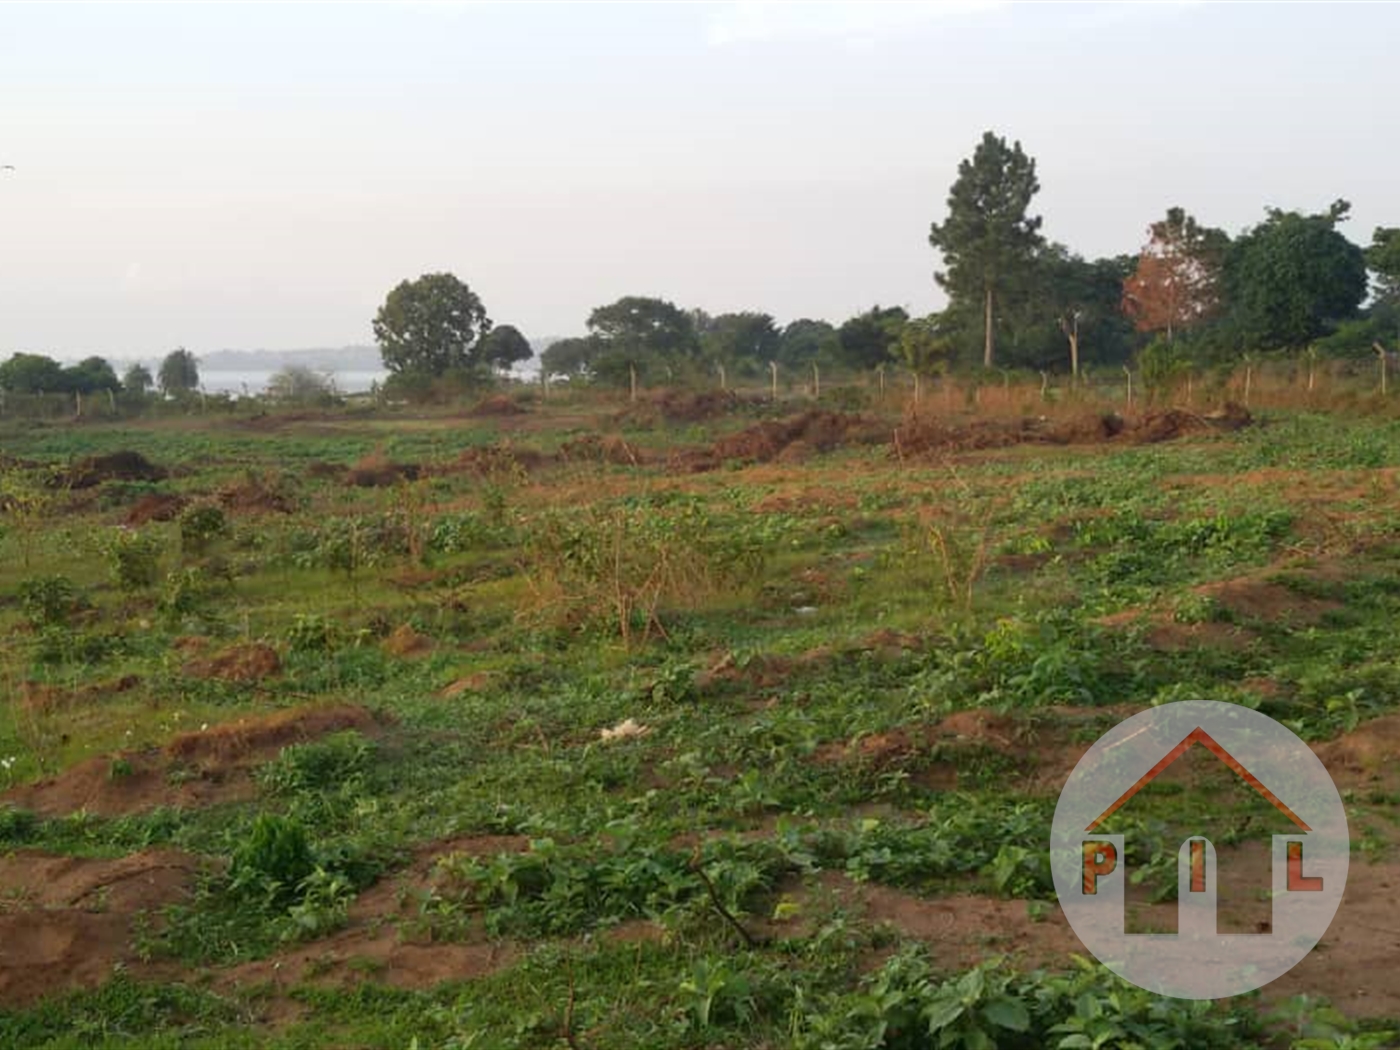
x=155 y=507
x=376 y=471
x=239 y=663
x=1370 y=750
x=256 y=494
x=115 y=466
x=405 y=641
x=259 y=738
x=497 y=405
x=600 y=448
x=1166 y=635
x=41 y=696
x=1175 y=423
x=681 y=406
x=815 y=430
x=67 y=922
x=193 y=769
x=323 y=471
x=918 y=435
x=488 y=460
x=376 y=942
x=1256 y=599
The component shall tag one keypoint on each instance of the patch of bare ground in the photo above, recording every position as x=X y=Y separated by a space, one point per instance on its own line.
x=1259 y=597
x=249 y=662
x=378 y=946
x=784 y=440
x=67 y=922
x=404 y=641
x=194 y=769
x=1368 y=755
x=924 y=434
x=1354 y=963
x=1044 y=750
x=770 y=670
x=154 y=507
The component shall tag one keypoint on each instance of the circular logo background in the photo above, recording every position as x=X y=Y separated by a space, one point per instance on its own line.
x=1310 y=851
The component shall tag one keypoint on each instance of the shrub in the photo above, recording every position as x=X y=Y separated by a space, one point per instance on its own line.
x=272 y=860
x=200 y=525
x=133 y=558
x=47 y=601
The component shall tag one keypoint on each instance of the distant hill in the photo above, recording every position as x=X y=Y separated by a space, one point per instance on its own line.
x=339 y=359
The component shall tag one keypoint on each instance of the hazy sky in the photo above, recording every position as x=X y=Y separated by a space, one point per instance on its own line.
x=261 y=176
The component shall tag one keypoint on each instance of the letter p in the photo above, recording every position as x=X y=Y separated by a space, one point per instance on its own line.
x=1100 y=858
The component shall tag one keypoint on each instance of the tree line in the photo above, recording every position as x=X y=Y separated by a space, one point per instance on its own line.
x=25 y=373
x=1191 y=296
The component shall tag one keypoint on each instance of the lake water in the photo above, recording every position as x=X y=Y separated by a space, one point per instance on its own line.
x=255 y=382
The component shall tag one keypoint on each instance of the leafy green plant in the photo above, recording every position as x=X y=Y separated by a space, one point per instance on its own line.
x=200 y=525
x=133 y=558
x=272 y=860
x=47 y=601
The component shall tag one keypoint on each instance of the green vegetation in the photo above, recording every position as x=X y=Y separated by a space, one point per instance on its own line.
x=533 y=747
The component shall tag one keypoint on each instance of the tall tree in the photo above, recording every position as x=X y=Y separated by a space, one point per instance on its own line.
x=747 y=340
x=924 y=348
x=1070 y=312
x=91 y=375
x=868 y=339
x=430 y=326
x=1293 y=276
x=31 y=374
x=804 y=341
x=179 y=373
x=1176 y=283
x=1383 y=259
x=643 y=334
x=988 y=236
x=137 y=380
x=504 y=346
x=569 y=357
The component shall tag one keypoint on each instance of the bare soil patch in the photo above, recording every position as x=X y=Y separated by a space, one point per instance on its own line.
x=256 y=495
x=808 y=433
x=377 y=471
x=919 y=434
x=114 y=466
x=250 y=662
x=155 y=507
x=601 y=448
x=498 y=405
x=194 y=769
x=67 y=922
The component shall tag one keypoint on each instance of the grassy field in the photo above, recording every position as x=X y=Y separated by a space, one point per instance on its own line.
x=699 y=724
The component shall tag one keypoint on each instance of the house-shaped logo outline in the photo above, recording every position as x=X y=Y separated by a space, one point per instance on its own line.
x=1200 y=736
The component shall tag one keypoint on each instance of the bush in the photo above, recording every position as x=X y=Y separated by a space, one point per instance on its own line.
x=272 y=860
x=200 y=525
x=47 y=601
x=133 y=558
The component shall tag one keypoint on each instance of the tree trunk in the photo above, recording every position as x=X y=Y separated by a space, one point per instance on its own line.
x=816 y=382
x=773 y=368
x=990 y=341
x=916 y=389
x=1074 y=350
x=632 y=373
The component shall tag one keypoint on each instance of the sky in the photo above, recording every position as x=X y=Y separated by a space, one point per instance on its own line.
x=260 y=176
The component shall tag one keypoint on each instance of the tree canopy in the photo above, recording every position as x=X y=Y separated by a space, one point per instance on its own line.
x=504 y=347
x=988 y=237
x=1292 y=276
x=1383 y=259
x=1176 y=283
x=179 y=373
x=642 y=333
x=430 y=326
x=868 y=340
